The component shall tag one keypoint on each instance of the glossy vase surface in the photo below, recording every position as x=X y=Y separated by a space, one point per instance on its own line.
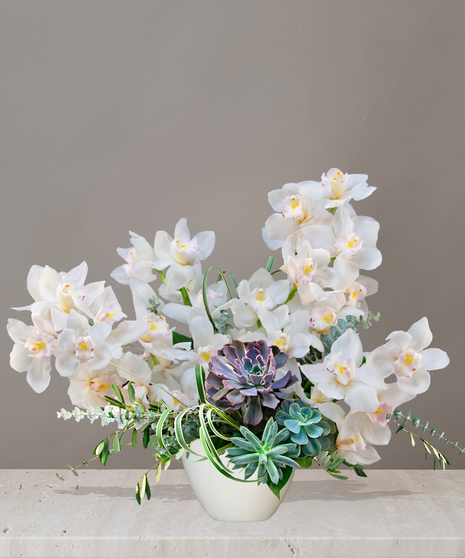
x=225 y=499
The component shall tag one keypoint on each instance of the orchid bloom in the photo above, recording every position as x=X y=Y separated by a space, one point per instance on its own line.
x=138 y=260
x=296 y=206
x=350 y=240
x=326 y=313
x=106 y=308
x=307 y=269
x=58 y=293
x=406 y=356
x=340 y=188
x=257 y=297
x=206 y=342
x=341 y=376
x=182 y=254
x=291 y=335
x=217 y=300
x=351 y=443
x=33 y=349
x=81 y=343
x=88 y=388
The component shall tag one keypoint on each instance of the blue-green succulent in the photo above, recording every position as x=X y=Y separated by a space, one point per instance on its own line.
x=268 y=456
x=307 y=427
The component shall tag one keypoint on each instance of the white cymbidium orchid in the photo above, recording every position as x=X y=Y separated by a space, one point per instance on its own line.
x=81 y=343
x=357 y=291
x=351 y=442
x=217 y=300
x=326 y=313
x=33 y=349
x=88 y=388
x=340 y=188
x=307 y=269
x=61 y=292
x=257 y=297
x=291 y=333
x=296 y=206
x=138 y=260
x=148 y=386
x=341 y=376
x=182 y=254
x=360 y=431
x=351 y=240
x=106 y=307
x=206 y=342
x=405 y=355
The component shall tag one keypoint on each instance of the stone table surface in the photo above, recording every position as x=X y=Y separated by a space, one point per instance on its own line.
x=389 y=514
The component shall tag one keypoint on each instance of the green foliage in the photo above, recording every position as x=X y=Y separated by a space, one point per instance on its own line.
x=154 y=306
x=308 y=429
x=180 y=338
x=351 y=322
x=269 y=457
x=439 y=458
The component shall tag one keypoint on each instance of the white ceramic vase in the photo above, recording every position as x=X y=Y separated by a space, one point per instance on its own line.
x=227 y=500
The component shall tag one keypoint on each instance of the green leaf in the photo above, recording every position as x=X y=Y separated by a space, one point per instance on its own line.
x=146 y=435
x=99 y=448
x=143 y=485
x=138 y=494
x=340 y=477
x=304 y=463
x=134 y=438
x=118 y=393
x=200 y=381
x=276 y=488
x=116 y=443
x=105 y=452
x=185 y=297
x=115 y=402
x=269 y=264
x=180 y=338
x=291 y=294
x=131 y=393
x=205 y=300
x=148 y=492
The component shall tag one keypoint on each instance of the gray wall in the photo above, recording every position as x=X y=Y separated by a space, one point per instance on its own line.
x=120 y=116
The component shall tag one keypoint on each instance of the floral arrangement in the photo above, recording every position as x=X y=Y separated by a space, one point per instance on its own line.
x=271 y=375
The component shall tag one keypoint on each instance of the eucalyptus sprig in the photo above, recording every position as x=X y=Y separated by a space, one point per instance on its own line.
x=401 y=420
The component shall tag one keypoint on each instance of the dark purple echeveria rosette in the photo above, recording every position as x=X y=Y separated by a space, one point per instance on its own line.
x=242 y=376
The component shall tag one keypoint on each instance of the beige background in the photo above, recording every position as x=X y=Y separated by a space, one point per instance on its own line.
x=118 y=116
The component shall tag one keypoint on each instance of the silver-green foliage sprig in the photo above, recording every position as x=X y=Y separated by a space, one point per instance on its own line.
x=402 y=420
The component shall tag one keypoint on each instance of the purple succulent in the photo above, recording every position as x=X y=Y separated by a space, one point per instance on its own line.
x=242 y=376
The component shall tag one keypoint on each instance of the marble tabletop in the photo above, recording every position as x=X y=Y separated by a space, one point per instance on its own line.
x=393 y=514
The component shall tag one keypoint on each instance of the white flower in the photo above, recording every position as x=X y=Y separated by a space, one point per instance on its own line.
x=88 y=388
x=406 y=356
x=291 y=335
x=106 y=308
x=61 y=292
x=257 y=297
x=138 y=259
x=352 y=241
x=340 y=188
x=33 y=349
x=81 y=343
x=340 y=375
x=307 y=269
x=351 y=443
x=182 y=254
x=296 y=206
x=326 y=313
x=206 y=342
